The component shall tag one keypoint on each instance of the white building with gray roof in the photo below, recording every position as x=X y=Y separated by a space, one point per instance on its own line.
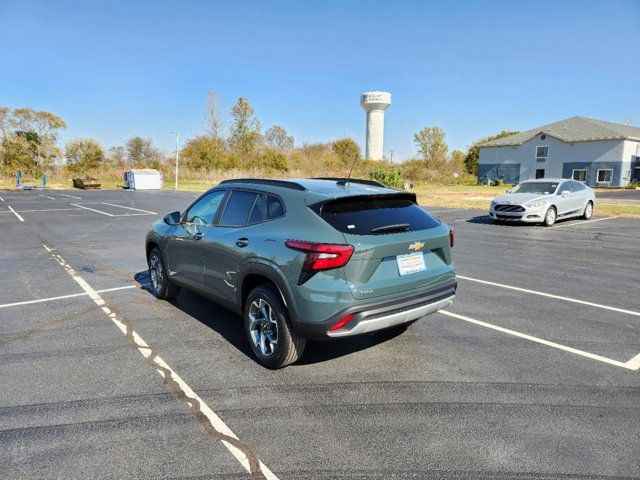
x=598 y=153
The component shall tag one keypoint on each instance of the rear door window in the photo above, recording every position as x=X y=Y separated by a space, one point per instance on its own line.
x=376 y=215
x=257 y=213
x=237 y=210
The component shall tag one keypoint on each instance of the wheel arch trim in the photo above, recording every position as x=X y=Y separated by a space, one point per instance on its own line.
x=276 y=276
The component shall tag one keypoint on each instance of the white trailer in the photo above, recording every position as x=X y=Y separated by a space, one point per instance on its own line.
x=143 y=179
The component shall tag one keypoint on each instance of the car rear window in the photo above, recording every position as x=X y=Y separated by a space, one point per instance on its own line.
x=376 y=215
x=238 y=207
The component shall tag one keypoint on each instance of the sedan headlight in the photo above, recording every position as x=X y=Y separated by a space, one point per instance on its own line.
x=536 y=204
x=493 y=203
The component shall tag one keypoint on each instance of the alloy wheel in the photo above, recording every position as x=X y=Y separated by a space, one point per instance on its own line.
x=263 y=327
x=551 y=216
x=155 y=272
x=588 y=211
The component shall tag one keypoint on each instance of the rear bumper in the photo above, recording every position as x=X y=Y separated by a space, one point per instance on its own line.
x=379 y=315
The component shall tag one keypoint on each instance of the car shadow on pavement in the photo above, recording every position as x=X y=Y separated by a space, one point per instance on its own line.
x=486 y=220
x=229 y=325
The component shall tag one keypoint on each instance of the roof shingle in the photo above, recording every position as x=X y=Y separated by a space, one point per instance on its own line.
x=574 y=129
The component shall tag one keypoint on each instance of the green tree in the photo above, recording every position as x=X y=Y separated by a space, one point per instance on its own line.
x=273 y=161
x=277 y=138
x=473 y=154
x=347 y=151
x=245 y=129
x=29 y=139
x=431 y=144
x=206 y=152
x=141 y=153
x=84 y=154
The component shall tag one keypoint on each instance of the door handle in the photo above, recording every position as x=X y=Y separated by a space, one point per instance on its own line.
x=242 y=242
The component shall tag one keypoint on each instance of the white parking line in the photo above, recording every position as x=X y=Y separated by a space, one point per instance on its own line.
x=633 y=364
x=577 y=224
x=62 y=297
x=16 y=213
x=43 y=210
x=70 y=196
x=549 y=295
x=130 y=208
x=1 y=199
x=199 y=408
x=45 y=196
x=93 y=210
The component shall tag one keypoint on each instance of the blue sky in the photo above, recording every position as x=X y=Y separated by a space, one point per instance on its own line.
x=116 y=69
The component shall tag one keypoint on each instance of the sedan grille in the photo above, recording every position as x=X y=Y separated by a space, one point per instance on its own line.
x=508 y=208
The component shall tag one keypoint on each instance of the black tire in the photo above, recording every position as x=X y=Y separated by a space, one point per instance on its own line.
x=161 y=285
x=550 y=217
x=288 y=347
x=588 y=210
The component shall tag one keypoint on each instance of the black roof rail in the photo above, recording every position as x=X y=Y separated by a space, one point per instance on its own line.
x=265 y=181
x=344 y=181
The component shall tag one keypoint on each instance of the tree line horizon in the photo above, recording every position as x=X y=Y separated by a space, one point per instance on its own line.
x=30 y=143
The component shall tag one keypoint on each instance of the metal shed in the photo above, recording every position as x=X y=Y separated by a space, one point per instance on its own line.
x=143 y=179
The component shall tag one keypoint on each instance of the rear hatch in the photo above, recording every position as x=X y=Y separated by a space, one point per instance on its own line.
x=390 y=233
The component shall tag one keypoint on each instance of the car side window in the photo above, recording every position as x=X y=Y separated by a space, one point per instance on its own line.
x=564 y=186
x=204 y=211
x=275 y=208
x=575 y=187
x=238 y=207
x=257 y=213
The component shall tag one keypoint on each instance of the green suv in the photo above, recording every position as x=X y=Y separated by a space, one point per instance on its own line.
x=309 y=259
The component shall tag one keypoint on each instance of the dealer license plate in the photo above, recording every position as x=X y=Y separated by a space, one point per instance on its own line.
x=410 y=263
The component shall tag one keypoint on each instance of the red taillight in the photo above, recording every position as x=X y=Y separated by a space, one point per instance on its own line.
x=452 y=238
x=341 y=323
x=320 y=256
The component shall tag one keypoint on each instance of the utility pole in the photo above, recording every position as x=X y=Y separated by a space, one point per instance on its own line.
x=177 y=156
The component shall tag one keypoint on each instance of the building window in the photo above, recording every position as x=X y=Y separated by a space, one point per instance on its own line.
x=604 y=175
x=542 y=153
x=540 y=173
x=579 y=174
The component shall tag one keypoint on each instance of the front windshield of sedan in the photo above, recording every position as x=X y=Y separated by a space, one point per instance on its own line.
x=541 y=188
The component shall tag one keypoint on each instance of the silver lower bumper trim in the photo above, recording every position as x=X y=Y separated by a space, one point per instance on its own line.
x=379 y=323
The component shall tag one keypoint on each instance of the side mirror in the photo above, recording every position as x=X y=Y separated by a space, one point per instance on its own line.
x=172 y=218
x=564 y=193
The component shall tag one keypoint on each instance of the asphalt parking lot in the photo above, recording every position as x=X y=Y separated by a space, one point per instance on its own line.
x=533 y=373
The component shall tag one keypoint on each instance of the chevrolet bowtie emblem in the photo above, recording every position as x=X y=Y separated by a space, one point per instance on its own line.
x=416 y=246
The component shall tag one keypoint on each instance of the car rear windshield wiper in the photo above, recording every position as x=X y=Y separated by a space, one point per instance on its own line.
x=398 y=227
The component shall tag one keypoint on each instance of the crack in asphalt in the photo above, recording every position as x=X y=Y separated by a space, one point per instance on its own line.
x=152 y=359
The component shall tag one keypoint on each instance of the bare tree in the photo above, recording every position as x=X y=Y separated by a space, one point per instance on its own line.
x=142 y=153
x=212 y=116
x=277 y=138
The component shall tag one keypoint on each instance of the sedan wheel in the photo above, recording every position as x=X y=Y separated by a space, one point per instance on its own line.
x=550 y=217
x=588 y=211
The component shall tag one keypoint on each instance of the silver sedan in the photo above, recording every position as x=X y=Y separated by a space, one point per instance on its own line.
x=544 y=201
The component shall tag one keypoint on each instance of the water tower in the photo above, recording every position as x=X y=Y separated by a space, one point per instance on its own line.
x=375 y=103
